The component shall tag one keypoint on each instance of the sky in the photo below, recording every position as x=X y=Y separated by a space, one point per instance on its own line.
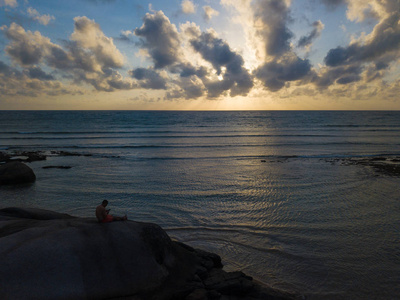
x=200 y=55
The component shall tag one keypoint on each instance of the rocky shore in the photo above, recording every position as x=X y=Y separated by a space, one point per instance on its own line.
x=385 y=165
x=48 y=255
x=388 y=165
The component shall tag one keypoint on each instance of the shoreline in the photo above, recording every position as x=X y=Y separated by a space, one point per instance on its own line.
x=382 y=164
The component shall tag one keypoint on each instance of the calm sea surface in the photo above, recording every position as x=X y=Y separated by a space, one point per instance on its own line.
x=262 y=189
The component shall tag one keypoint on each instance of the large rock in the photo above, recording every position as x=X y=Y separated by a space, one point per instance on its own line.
x=15 y=173
x=47 y=255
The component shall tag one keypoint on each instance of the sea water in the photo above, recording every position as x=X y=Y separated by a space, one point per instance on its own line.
x=266 y=190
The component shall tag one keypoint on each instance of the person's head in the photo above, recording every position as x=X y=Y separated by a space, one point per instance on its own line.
x=104 y=203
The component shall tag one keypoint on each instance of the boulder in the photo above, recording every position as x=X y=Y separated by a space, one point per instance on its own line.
x=48 y=255
x=56 y=256
x=15 y=173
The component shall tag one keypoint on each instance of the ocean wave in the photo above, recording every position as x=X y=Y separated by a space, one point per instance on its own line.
x=226 y=132
x=113 y=136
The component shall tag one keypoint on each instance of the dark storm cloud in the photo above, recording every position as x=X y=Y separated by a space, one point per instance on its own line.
x=348 y=79
x=216 y=51
x=26 y=49
x=281 y=64
x=149 y=79
x=9 y=71
x=160 y=38
x=4 y=68
x=59 y=58
x=341 y=75
x=38 y=73
x=235 y=77
x=272 y=17
x=385 y=38
x=187 y=70
x=306 y=41
x=374 y=55
x=275 y=74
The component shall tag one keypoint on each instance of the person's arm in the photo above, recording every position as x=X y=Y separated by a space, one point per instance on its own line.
x=104 y=213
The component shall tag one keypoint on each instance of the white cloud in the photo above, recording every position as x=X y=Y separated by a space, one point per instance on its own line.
x=42 y=19
x=188 y=7
x=89 y=56
x=89 y=36
x=209 y=12
x=11 y=3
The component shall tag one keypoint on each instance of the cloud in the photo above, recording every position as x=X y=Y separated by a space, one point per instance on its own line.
x=11 y=3
x=186 y=56
x=374 y=52
x=188 y=7
x=384 y=39
x=31 y=82
x=38 y=73
x=89 y=36
x=160 y=38
x=188 y=88
x=281 y=65
x=42 y=19
x=126 y=35
x=88 y=57
x=276 y=73
x=149 y=79
x=306 y=41
x=26 y=47
x=270 y=20
x=8 y=71
x=226 y=63
x=209 y=12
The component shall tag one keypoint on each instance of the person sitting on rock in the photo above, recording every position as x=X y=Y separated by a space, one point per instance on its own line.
x=102 y=214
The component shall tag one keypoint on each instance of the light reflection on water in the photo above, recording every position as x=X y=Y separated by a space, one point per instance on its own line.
x=295 y=225
x=269 y=204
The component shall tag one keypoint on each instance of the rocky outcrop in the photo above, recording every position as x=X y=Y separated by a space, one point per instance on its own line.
x=16 y=173
x=31 y=156
x=46 y=255
x=385 y=165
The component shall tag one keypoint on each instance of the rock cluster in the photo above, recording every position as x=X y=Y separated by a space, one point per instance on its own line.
x=31 y=156
x=47 y=255
x=22 y=156
x=387 y=165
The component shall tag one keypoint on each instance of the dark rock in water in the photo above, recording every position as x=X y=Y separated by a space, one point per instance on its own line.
x=56 y=167
x=22 y=156
x=15 y=173
x=4 y=157
x=33 y=155
x=66 y=153
x=47 y=255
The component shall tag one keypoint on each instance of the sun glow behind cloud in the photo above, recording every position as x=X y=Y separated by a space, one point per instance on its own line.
x=231 y=54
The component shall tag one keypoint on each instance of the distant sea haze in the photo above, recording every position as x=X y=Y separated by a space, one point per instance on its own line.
x=297 y=199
